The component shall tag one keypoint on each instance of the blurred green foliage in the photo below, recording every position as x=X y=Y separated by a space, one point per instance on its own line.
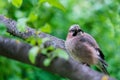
x=100 y=18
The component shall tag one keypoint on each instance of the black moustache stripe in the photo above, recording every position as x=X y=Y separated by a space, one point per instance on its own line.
x=75 y=33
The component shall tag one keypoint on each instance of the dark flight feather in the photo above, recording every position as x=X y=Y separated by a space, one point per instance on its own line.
x=101 y=53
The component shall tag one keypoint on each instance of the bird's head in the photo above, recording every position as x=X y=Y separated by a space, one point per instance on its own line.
x=74 y=30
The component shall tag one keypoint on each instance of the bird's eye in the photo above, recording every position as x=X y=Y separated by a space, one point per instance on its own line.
x=79 y=30
x=72 y=30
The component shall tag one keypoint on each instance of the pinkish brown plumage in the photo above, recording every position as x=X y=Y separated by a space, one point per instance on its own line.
x=83 y=48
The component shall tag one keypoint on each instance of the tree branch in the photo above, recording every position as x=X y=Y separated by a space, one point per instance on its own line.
x=19 y=51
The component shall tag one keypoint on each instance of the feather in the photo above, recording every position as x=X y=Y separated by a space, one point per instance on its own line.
x=101 y=57
x=101 y=53
x=102 y=67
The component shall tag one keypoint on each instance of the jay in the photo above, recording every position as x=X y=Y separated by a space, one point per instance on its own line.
x=83 y=48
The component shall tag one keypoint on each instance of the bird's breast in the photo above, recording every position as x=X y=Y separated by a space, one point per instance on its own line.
x=70 y=46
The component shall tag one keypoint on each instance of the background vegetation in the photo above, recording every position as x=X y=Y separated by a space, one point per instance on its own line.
x=100 y=18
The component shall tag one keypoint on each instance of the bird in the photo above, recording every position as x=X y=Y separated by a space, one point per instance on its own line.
x=83 y=48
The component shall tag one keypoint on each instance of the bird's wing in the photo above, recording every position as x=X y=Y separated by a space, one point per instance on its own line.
x=91 y=41
x=100 y=53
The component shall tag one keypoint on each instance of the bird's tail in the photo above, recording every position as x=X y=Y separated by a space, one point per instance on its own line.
x=102 y=65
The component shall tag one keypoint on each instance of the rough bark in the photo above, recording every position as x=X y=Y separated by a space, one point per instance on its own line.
x=18 y=50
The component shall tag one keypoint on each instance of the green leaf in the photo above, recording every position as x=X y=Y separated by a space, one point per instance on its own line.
x=44 y=51
x=42 y=1
x=32 y=17
x=46 y=28
x=21 y=24
x=18 y=14
x=3 y=30
x=17 y=3
x=61 y=53
x=51 y=48
x=54 y=3
x=33 y=53
x=47 y=62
